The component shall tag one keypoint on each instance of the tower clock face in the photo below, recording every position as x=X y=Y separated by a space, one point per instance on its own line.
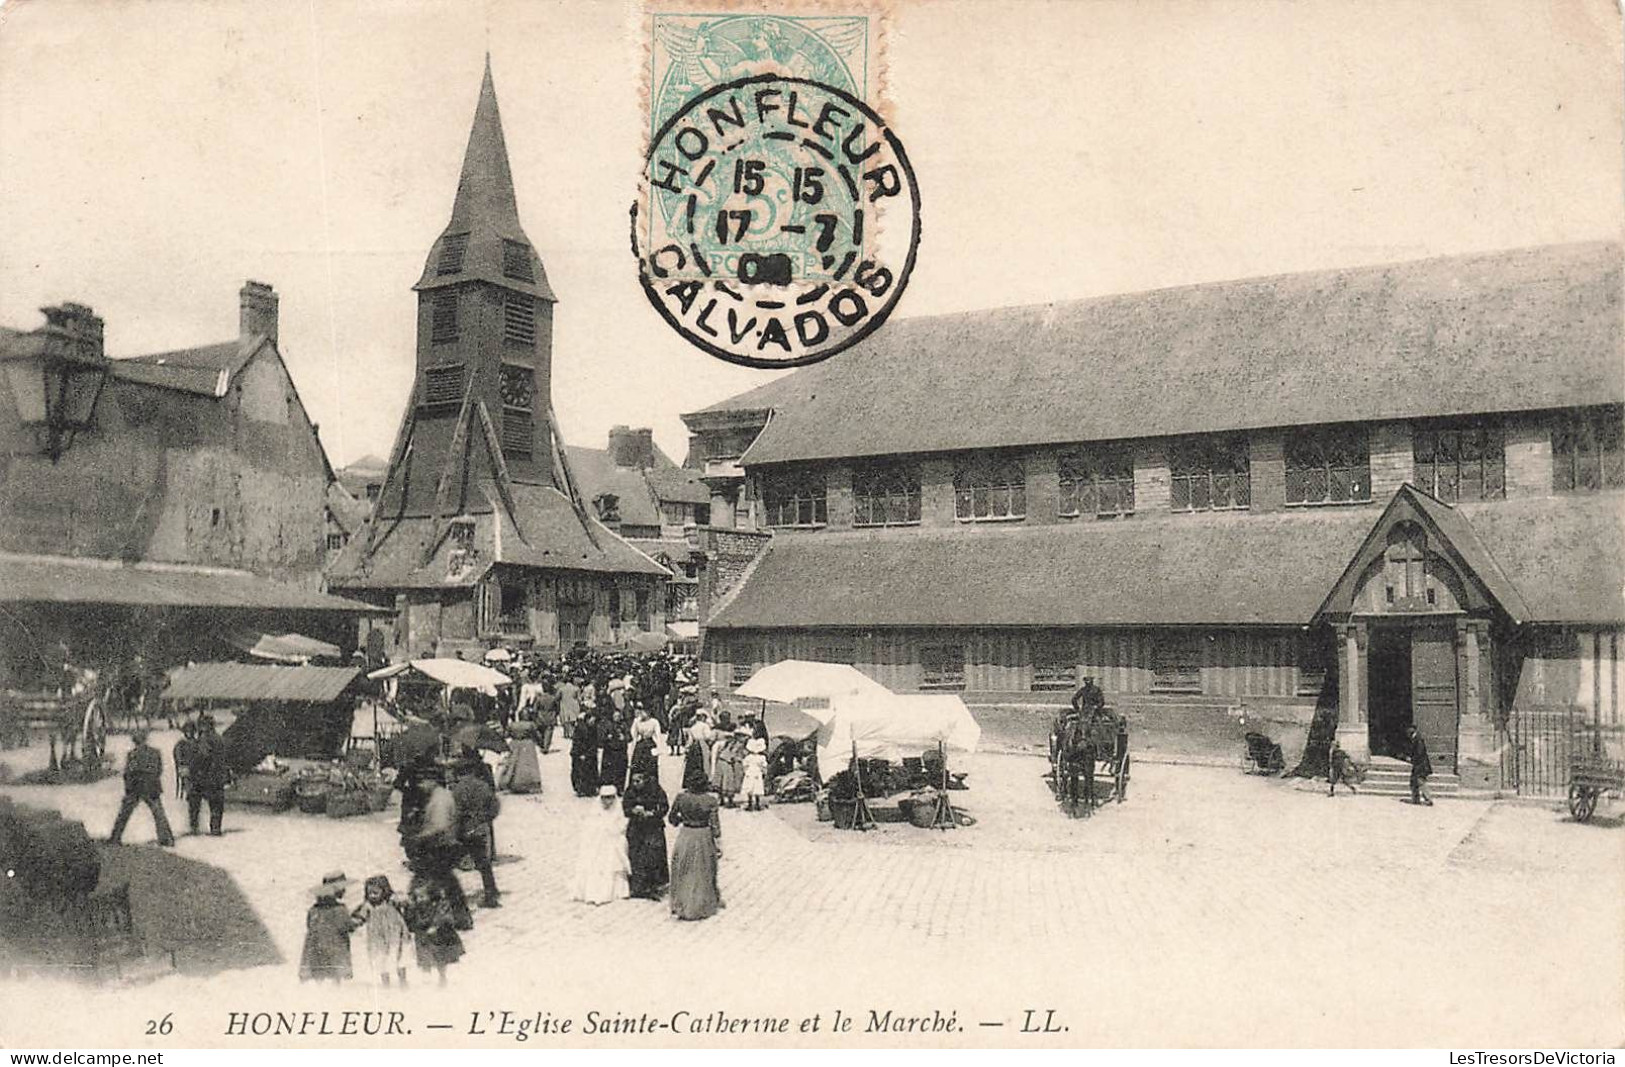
x=518 y=387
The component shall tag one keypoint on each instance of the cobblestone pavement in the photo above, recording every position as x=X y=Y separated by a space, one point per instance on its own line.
x=1211 y=908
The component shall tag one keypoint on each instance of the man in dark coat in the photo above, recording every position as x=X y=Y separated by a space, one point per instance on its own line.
x=143 y=783
x=477 y=808
x=546 y=709
x=1421 y=767
x=208 y=778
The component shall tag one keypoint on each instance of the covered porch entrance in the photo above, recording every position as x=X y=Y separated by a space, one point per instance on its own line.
x=1414 y=613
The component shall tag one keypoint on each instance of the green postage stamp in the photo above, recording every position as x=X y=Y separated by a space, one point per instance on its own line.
x=778 y=217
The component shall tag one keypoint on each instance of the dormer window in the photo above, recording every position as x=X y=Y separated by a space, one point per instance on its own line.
x=452 y=253
x=516 y=261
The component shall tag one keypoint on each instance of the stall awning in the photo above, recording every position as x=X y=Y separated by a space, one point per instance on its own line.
x=455 y=673
x=254 y=682
x=283 y=648
x=683 y=630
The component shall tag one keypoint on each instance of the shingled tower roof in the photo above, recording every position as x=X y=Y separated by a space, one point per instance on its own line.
x=484 y=222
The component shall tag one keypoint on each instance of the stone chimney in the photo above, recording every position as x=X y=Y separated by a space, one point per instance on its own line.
x=79 y=326
x=257 y=304
x=632 y=448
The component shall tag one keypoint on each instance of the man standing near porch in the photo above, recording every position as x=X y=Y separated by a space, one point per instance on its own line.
x=1421 y=767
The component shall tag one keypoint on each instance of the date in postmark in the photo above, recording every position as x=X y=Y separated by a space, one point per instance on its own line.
x=777 y=221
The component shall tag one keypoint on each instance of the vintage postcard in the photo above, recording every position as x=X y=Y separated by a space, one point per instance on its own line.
x=827 y=524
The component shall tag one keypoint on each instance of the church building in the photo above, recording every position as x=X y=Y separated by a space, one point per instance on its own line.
x=480 y=535
x=1394 y=491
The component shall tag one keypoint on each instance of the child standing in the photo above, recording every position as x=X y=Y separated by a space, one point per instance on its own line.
x=434 y=927
x=326 y=955
x=753 y=782
x=386 y=929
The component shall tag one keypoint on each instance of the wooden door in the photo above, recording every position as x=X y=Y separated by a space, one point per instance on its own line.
x=1433 y=692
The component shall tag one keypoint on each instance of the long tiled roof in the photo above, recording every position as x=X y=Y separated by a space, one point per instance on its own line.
x=1565 y=556
x=79 y=580
x=1516 y=330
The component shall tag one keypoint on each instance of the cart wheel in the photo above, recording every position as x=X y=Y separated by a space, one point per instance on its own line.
x=1582 y=802
x=1122 y=779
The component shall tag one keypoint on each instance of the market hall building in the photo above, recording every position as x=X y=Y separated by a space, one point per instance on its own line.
x=480 y=535
x=1392 y=490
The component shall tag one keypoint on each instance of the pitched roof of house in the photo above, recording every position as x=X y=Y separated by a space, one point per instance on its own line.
x=549 y=534
x=1564 y=555
x=640 y=491
x=1504 y=331
x=230 y=356
x=595 y=474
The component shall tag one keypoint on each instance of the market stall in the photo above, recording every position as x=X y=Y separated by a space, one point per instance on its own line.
x=289 y=734
x=430 y=687
x=900 y=742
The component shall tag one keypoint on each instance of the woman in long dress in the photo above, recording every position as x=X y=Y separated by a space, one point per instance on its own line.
x=521 y=767
x=646 y=806
x=694 y=890
x=612 y=730
x=645 y=736
x=584 y=757
x=602 y=867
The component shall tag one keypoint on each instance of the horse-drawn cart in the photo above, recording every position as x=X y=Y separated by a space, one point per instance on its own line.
x=1085 y=750
x=1593 y=772
x=74 y=721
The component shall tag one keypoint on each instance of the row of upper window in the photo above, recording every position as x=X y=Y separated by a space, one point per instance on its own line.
x=1332 y=465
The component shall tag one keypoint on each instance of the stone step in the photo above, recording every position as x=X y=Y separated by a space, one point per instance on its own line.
x=1437 y=786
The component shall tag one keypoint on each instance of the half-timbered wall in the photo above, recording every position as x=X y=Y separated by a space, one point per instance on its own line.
x=1240 y=663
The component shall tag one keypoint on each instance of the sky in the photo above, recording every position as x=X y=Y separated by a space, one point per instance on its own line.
x=154 y=155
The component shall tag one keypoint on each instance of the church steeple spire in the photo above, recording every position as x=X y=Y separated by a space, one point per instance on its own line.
x=484 y=240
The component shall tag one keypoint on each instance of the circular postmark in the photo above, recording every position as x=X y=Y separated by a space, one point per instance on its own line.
x=777 y=221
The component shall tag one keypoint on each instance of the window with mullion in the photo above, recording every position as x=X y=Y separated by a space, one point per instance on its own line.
x=1460 y=462
x=1587 y=452
x=990 y=488
x=886 y=495
x=1209 y=474
x=1099 y=483
x=795 y=498
x=1328 y=465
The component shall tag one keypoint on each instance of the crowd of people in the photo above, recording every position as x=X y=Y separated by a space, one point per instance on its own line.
x=616 y=713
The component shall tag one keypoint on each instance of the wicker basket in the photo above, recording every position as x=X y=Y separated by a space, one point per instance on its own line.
x=343 y=805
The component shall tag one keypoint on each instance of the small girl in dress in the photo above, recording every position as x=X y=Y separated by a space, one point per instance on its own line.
x=754 y=784
x=434 y=927
x=386 y=930
x=326 y=955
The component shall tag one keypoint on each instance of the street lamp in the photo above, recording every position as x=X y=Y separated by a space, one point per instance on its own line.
x=56 y=375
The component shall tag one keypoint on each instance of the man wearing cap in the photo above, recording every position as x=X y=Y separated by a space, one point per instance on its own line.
x=208 y=778
x=143 y=783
